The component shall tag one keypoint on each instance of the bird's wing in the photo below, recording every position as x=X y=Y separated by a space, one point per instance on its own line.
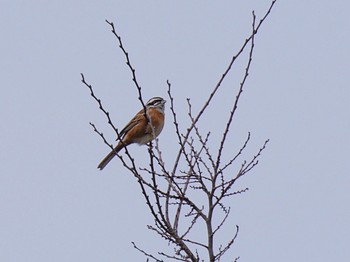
x=133 y=122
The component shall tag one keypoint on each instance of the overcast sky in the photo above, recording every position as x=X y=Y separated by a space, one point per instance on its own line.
x=54 y=203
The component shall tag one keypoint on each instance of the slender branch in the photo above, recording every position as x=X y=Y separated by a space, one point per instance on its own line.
x=233 y=111
x=254 y=160
x=146 y=254
x=223 y=221
x=132 y=69
x=229 y=244
x=106 y=113
x=220 y=171
x=101 y=107
x=203 y=142
x=228 y=69
x=244 y=169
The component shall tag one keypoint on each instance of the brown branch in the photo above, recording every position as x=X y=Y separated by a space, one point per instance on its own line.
x=233 y=111
x=220 y=171
x=254 y=160
x=222 y=221
x=179 y=208
x=106 y=113
x=237 y=192
x=101 y=135
x=132 y=69
x=228 y=69
x=131 y=168
x=244 y=169
x=227 y=247
x=194 y=220
x=196 y=243
x=173 y=257
x=203 y=142
x=145 y=253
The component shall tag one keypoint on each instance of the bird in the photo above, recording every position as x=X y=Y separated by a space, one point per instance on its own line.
x=141 y=129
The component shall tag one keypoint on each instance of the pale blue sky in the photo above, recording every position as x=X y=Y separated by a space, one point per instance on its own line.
x=56 y=206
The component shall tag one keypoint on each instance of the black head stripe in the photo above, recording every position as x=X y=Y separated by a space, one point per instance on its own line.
x=155 y=101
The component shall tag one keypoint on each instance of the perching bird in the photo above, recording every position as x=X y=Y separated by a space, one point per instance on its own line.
x=139 y=130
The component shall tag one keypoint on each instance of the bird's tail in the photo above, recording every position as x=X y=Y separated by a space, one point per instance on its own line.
x=109 y=157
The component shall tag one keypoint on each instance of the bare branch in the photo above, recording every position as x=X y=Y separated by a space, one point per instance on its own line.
x=223 y=221
x=220 y=171
x=132 y=69
x=232 y=113
x=203 y=142
x=196 y=243
x=228 y=69
x=229 y=244
x=254 y=160
x=184 y=198
x=173 y=256
x=101 y=135
x=132 y=167
x=146 y=254
x=99 y=103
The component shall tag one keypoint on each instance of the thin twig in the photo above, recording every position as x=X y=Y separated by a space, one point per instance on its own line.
x=233 y=111
x=145 y=253
x=132 y=69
